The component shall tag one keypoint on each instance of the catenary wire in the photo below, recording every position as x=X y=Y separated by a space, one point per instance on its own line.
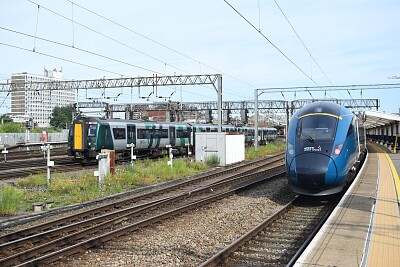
x=159 y=43
x=126 y=45
x=266 y=38
x=298 y=36
x=81 y=64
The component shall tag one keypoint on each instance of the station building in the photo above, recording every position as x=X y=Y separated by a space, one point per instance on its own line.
x=37 y=104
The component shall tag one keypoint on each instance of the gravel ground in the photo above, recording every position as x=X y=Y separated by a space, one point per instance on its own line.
x=191 y=238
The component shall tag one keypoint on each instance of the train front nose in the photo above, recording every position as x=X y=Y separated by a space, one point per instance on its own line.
x=313 y=170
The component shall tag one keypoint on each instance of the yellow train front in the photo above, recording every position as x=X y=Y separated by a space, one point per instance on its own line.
x=82 y=139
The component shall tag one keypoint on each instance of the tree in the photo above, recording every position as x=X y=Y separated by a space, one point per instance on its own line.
x=61 y=116
x=5 y=118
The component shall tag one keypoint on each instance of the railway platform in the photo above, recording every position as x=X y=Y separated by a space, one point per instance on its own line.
x=364 y=229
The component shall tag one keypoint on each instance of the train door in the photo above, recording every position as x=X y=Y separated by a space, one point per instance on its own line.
x=105 y=137
x=172 y=136
x=78 y=136
x=358 y=139
x=131 y=135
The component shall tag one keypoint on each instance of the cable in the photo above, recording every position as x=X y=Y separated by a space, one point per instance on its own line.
x=4 y=99
x=158 y=43
x=80 y=49
x=298 y=36
x=126 y=45
x=266 y=38
x=81 y=64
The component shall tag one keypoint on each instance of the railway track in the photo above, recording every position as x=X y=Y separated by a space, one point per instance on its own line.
x=23 y=168
x=30 y=154
x=59 y=238
x=280 y=239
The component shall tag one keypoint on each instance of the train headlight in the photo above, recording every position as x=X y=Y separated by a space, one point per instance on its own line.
x=290 y=149
x=338 y=149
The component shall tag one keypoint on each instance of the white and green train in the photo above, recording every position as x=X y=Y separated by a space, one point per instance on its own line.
x=89 y=135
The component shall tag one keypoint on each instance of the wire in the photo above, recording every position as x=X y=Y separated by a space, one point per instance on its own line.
x=126 y=45
x=266 y=38
x=159 y=43
x=80 y=49
x=81 y=64
x=298 y=36
x=1 y=105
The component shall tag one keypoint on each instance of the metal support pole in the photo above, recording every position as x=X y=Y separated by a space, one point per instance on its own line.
x=219 y=85
x=47 y=148
x=171 y=156
x=133 y=157
x=255 y=119
x=287 y=120
x=5 y=152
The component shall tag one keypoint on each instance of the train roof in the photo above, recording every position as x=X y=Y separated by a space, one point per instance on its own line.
x=105 y=120
x=323 y=107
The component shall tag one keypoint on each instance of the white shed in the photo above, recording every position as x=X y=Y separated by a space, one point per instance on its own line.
x=229 y=147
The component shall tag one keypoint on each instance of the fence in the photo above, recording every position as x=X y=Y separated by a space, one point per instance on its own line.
x=17 y=138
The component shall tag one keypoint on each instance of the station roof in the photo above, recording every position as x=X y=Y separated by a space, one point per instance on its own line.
x=377 y=118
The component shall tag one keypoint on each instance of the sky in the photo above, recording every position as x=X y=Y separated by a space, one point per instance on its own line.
x=342 y=43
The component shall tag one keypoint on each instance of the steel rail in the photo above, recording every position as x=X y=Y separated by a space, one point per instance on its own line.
x=245 y=239
x=75 y=237
x=126 y=202
x=119 y=214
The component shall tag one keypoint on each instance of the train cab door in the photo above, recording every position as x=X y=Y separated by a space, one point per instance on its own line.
x=78 y=136
x=357 y=136
x=172 y=136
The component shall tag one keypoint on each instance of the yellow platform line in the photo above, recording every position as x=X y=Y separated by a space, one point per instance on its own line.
x=384 y=244
x=394 y=172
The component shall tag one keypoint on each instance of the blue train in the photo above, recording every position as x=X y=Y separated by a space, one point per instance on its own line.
x=325 y=145
x=89 y=135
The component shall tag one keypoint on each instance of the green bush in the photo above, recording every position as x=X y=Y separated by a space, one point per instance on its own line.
x=12 y=127
x=9 y=200
x=212 y=160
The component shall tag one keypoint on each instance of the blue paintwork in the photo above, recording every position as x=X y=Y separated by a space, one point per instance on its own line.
x=312 y=167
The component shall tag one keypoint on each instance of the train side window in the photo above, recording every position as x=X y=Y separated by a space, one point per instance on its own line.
x=182 y=133
x=145 y=133
x=119 y=133
x=160 y=133
x=351 y=128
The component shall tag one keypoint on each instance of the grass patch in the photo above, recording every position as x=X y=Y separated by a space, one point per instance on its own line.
x=270 y=148
x=71 y=188
x=9 y=200
x=212 y=160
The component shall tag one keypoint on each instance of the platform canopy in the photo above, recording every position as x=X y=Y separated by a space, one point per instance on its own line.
x=375 y=119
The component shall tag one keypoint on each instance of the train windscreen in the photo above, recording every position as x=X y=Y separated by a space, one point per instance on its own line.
x=92 y=130
x=317 y=127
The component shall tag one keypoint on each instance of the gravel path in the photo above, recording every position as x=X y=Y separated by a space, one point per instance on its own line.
x=189 y=239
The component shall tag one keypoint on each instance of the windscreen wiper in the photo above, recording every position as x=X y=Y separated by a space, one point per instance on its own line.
x=308 y=136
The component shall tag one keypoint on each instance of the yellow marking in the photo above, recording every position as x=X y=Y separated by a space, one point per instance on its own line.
x=321 y=114
x=78 y=136
x=384 y=248
x=394 y=172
